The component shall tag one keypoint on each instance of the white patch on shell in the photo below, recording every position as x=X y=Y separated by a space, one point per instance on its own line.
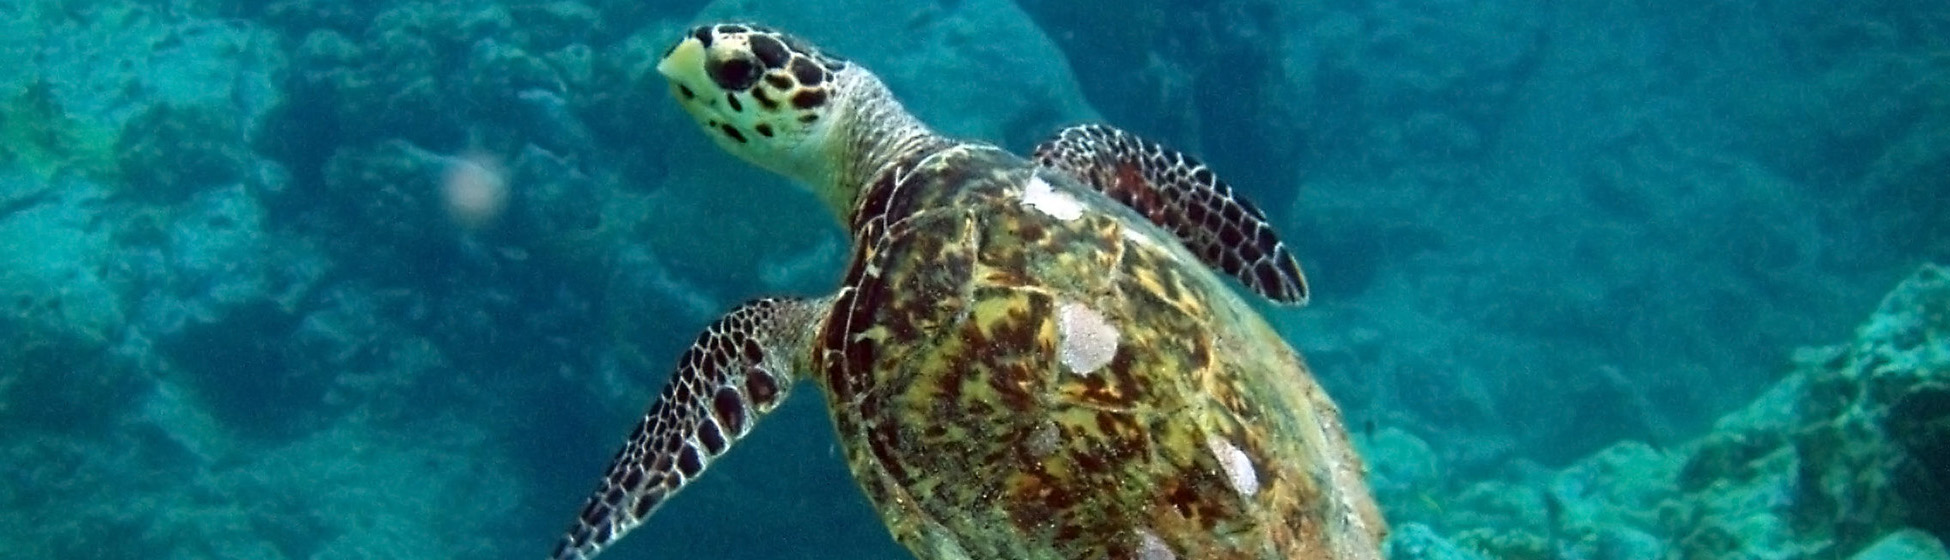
x=1085 y=341
x=1137 y=236
x=1238 y=467
x=1044 y=440
x=1150 y=547
x=1039 y=194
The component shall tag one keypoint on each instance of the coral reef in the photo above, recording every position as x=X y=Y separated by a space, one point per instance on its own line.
x=238 y=317
x=1596 y=200
x=170 y=152
x=1844 y=452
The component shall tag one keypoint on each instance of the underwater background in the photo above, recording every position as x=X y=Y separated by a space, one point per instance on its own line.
x=391 y=279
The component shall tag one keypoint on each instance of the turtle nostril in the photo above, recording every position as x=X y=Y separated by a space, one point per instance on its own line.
x=736 y=74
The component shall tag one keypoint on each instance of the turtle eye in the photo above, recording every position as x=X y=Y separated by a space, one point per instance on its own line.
x=735 y=74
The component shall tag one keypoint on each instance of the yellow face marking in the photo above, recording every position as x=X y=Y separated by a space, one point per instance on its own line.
x=769 y=121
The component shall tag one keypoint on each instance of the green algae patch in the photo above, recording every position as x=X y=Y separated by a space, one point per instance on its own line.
x=40 y=137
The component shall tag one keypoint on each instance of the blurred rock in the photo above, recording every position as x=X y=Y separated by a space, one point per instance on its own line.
x=391 y=192
x=1907 y=544
x=558 y=24
x=1556 y=174
x=1845 y=451
x=1415 y=541
x=1403 y=473
x=169 y=153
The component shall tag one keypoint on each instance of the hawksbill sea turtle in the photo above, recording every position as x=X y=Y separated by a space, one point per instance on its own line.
x=1027 y=359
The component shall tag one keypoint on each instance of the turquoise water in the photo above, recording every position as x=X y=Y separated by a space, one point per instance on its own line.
x=316 y=279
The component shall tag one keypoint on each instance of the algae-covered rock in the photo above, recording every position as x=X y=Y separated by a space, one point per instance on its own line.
x=1847 y=450
x=1907 y=544
x=1622 y=485
x=1850 y=460
x=171 y=152
x=40 y=138
x=1415 y=541
x=1404 y=473
x=391 y=191
x=56 y=262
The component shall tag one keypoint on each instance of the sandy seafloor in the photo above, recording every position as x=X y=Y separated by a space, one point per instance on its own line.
x=1594 y=280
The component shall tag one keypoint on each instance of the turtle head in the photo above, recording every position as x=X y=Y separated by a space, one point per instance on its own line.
x=766 y=96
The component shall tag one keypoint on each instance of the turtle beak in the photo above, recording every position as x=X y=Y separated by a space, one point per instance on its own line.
x=686 y=60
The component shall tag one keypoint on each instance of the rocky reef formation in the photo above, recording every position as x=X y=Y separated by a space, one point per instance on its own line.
x=1844 y=458
x=1518 y=221
x=240 y=314
x=247 y=313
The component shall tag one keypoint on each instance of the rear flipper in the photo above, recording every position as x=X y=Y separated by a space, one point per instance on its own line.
x=738 y=370
x=1179 y=194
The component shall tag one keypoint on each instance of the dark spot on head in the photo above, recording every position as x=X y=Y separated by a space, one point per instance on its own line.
x=730 y=28
x=764 y=100
x=769 y=51
x=703 y=35
x=765 y=130
x=686 y=91
x=797 y=44
x=732 y=100
x=732 y=132
x=735 y=74
x=808 y=118
x=807 y=99
x=809 y=74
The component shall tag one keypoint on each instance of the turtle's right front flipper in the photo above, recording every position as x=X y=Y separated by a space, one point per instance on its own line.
x=1179 y=194
x=738 y=370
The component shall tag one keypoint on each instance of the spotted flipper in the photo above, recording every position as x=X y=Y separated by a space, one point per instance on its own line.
x=1179 y=194
x=738 y=370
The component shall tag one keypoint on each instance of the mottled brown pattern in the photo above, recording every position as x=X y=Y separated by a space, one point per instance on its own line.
x=1019 y=364
x=972 y=437
x=1178 y=193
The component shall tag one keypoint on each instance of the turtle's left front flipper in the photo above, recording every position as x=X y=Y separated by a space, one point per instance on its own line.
x=738 y=370
x=1179 y=194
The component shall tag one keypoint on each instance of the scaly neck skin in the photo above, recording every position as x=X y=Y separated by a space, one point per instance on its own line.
x=875 y=133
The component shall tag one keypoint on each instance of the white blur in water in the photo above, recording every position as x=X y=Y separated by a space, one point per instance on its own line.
x=474 y=191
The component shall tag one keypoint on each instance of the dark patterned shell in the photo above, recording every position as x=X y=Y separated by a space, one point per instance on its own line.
x=1021 y=368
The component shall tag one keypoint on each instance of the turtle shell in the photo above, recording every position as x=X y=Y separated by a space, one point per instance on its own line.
x=1021 y=368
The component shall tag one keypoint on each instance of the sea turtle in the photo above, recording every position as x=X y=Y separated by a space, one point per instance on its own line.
x=1027 y=358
